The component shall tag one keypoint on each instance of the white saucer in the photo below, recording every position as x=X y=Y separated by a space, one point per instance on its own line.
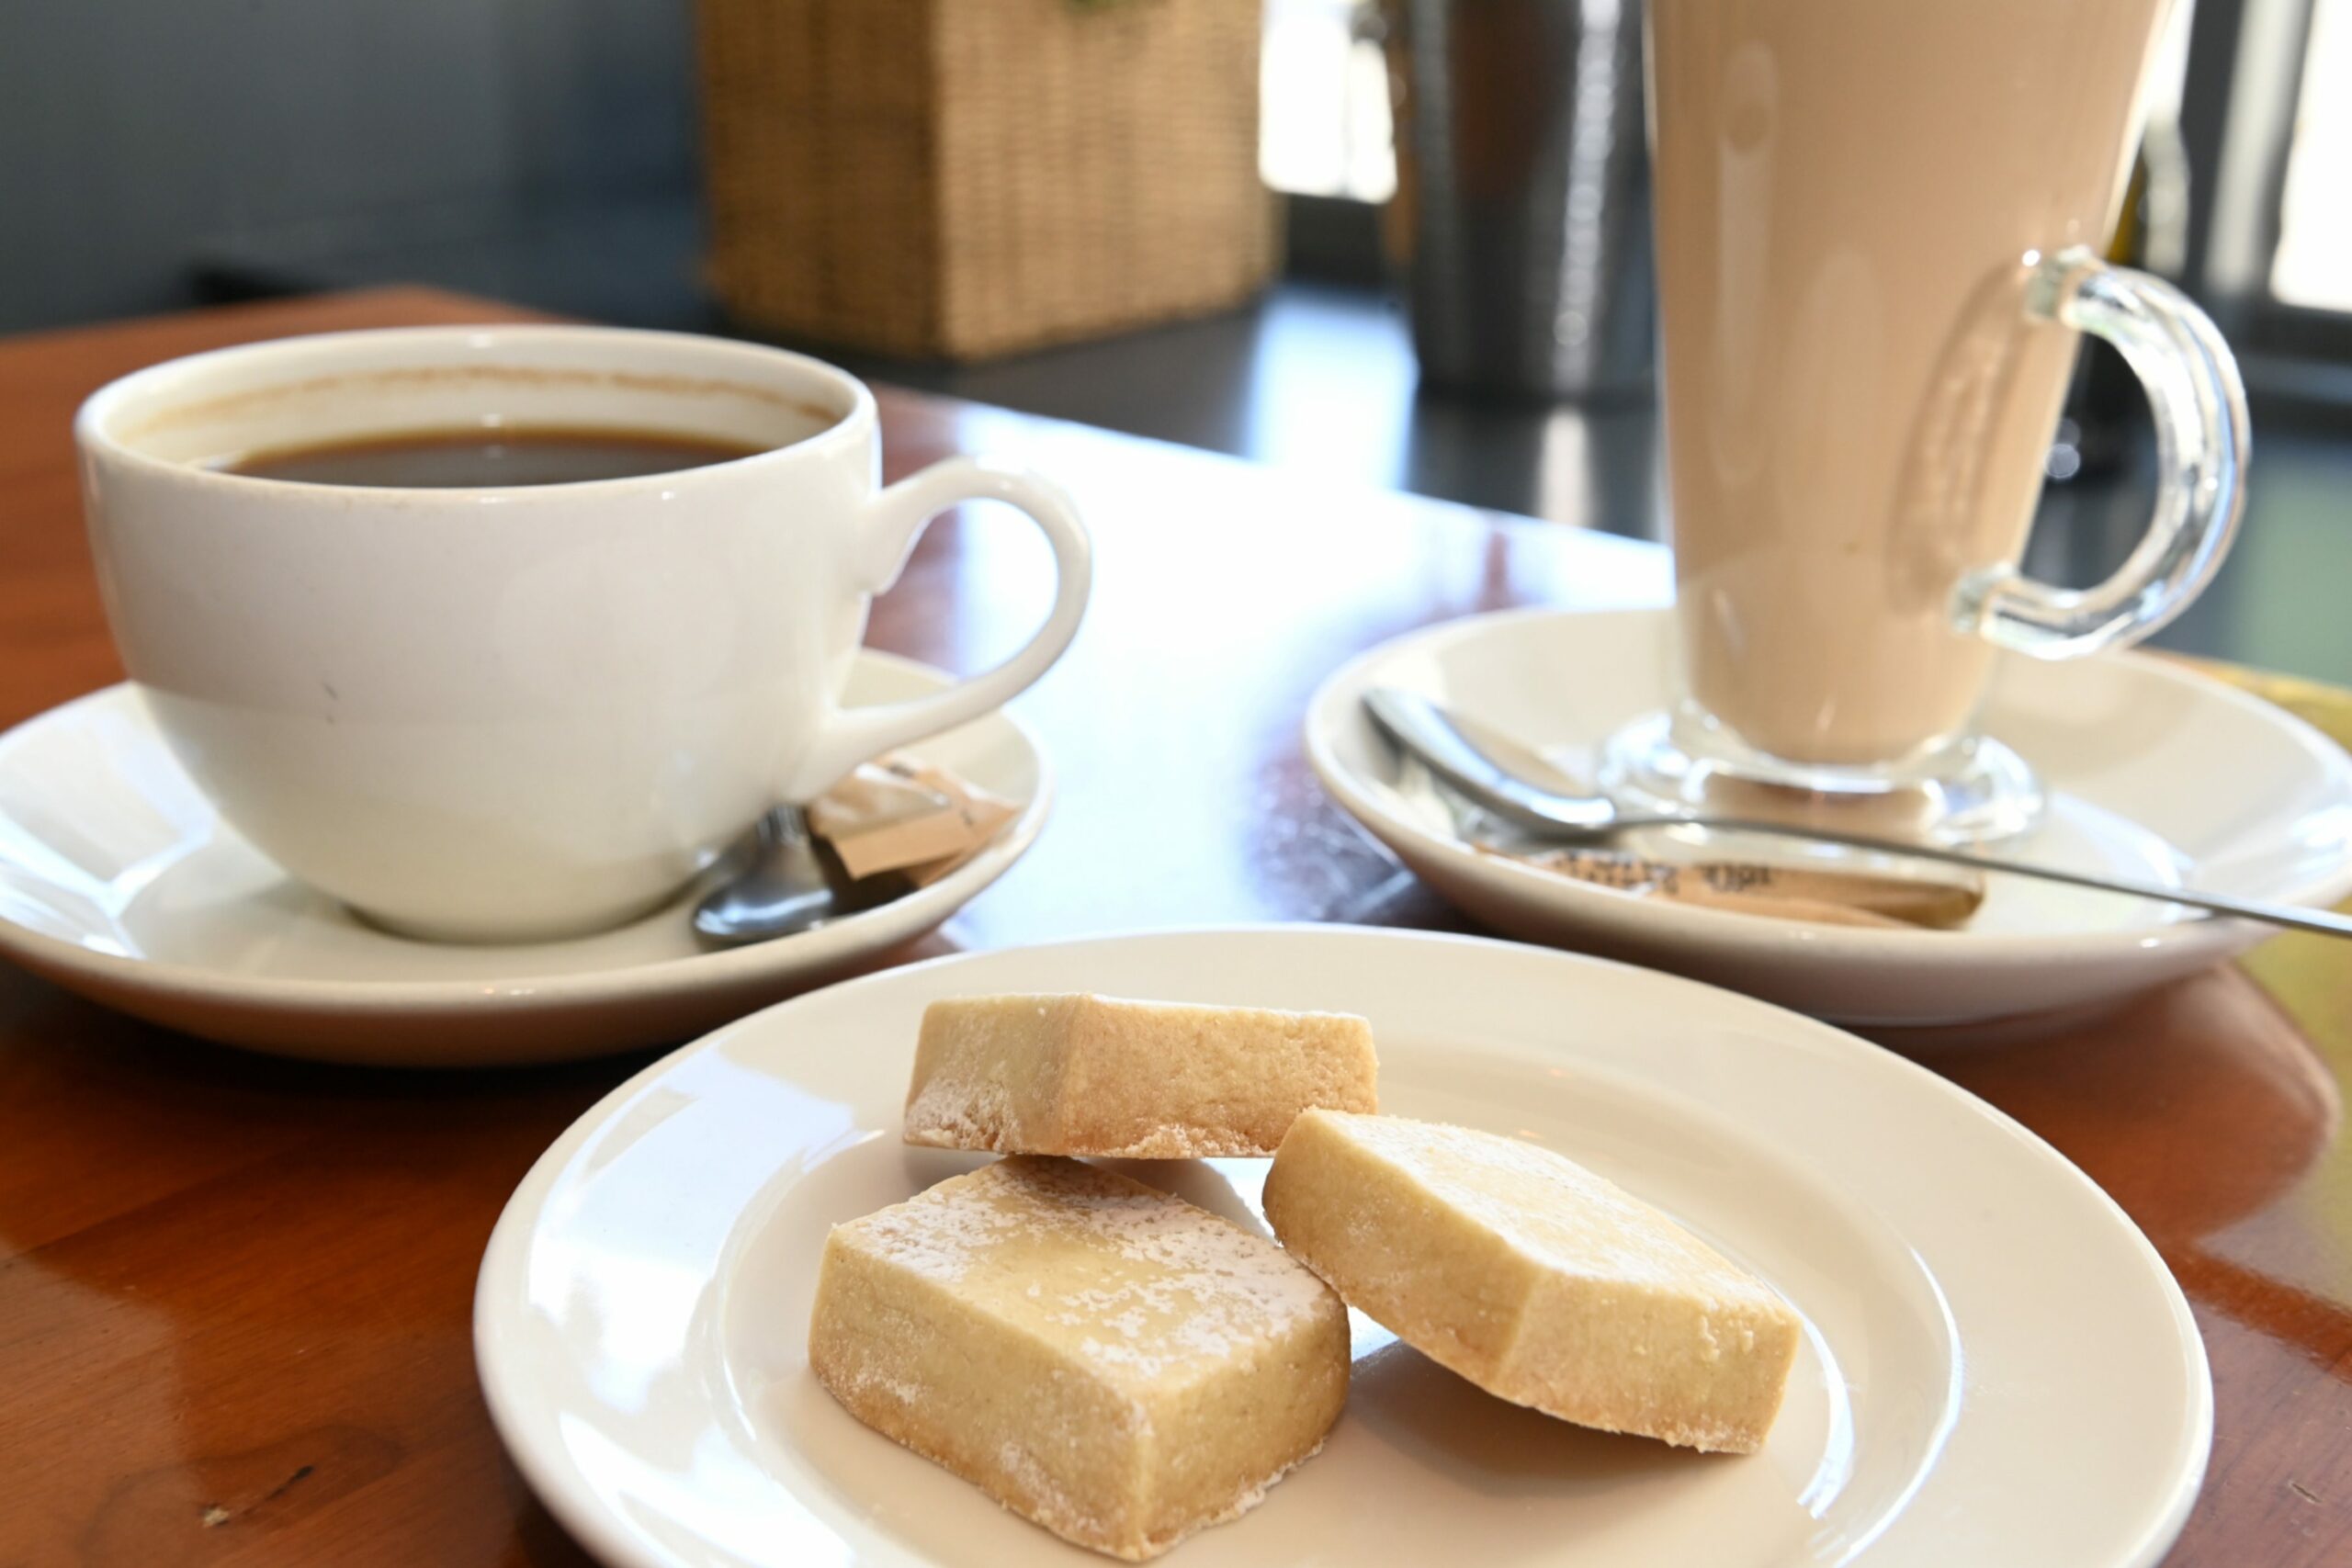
x=118 y=880
x=1999 y=1368
x=2152 y=770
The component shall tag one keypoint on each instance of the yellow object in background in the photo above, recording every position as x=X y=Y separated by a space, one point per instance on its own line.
x=2301 y=971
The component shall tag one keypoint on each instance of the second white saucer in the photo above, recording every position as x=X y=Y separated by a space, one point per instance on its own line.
x=118 y=880
x=2153 y=772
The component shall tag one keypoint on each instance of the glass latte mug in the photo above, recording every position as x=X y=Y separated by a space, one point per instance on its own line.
x=1875 y=233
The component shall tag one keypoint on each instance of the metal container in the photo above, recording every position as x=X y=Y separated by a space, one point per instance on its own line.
x=1523 y=162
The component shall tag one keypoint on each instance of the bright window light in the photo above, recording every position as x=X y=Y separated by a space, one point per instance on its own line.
x=1325 y=122
x=2313 y=265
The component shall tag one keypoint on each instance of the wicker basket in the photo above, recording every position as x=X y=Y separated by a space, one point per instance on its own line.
x=970 y=177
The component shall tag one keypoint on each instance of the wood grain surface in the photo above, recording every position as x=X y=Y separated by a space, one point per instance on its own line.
x=235 y=1292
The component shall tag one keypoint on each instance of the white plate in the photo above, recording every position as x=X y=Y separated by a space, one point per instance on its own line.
x=1998 y=1368
x=2153 y=772
x=118 y=880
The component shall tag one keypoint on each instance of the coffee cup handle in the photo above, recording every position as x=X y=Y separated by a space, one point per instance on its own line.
x=886 y=536
x=2201 y=447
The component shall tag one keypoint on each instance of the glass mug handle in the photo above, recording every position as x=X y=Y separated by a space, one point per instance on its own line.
x=885 y=536
x=2201 y=445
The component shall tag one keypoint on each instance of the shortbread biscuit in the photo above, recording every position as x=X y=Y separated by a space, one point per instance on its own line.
x=1534 y=1279
x=1102 y=1357
x=1084 y=1075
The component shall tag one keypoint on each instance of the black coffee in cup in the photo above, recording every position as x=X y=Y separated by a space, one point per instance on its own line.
x=486 y=456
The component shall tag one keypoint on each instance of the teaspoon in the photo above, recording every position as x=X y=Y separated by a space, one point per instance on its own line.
x=1425 y=730
x=786 y=887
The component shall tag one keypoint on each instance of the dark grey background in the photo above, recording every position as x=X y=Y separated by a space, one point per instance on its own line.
x=136 y=136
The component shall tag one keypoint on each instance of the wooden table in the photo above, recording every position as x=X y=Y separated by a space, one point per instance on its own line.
x=234 y=1292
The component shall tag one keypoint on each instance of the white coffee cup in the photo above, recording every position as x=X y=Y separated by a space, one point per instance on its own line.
x=523 y=712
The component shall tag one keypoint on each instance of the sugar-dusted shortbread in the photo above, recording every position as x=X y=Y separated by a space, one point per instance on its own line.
x=1534 y=1279
x=1084 y=1074
x=1107 y=1360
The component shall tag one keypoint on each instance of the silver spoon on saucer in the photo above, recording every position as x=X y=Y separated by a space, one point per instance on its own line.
x=786 y=887
x=1425 y=730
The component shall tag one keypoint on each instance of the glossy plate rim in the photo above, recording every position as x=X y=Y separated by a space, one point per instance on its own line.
x=96 y=975
x=517 y=1403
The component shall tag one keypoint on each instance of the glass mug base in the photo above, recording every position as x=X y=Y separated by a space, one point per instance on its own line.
x=1683 y=762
